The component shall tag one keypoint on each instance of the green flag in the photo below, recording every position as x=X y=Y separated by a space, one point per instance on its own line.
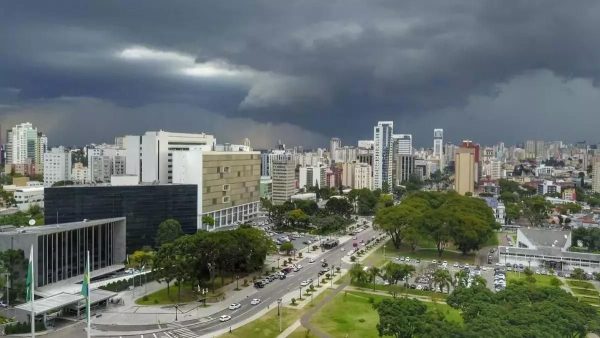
x=85 y=284
x=29 y=282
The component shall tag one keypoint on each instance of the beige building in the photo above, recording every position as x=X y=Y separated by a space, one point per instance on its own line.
x=596 y=174
x=357 y=175
x=284 y=181
x=228 y=184
x=464 y=173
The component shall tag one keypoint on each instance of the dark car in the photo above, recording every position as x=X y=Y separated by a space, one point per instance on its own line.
x=324 y=264
x=282 y=276
x=259 y=285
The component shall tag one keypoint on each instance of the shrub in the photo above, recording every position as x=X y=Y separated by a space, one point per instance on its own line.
x=530 y=279
x=299 y=254
x=293 y=301
x=327 y=275
x=371 y=300
x=245 y=282
x=338 y=269
x=273 y=269
x=23 y=327
x=155 y=301
x=145 y=298
x=555 y=281
x=352 y=258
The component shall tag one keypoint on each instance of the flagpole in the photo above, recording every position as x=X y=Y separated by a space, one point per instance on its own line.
x=87 y=301
x=31 y=288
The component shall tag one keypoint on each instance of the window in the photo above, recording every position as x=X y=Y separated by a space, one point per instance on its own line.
x=226 y=170
x=225 y=187
x=226 y=199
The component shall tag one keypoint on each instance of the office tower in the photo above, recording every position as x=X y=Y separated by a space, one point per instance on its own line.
x=464 y=170
x=79 y=173
x=476 y=149
x=596 y=174
x=540 y=150
x=530 y=146
x=404 y=168
x=402 y=144
x=132 y=145
x=334 y=144
x=284 y=180
x=362 y=176
x=438 y=146
x=383 y=155
x=25 y=148
x=228 y=183
x=311 y=176
x=57 y=166
x=157 y=151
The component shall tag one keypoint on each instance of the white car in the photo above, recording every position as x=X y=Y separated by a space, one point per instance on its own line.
x=311 y=260
x=235 y=306
x=299 y=266
x=455 y=265
x=342 y=249
x=434 y=261
x=445 y=264
x=303 y=283
x=224 y=318
x=255 y=301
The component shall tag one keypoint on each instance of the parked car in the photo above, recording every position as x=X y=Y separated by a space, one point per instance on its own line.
x=259 y=285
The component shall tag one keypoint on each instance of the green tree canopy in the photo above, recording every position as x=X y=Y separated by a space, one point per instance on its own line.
x=536 y=210
x=168 y=231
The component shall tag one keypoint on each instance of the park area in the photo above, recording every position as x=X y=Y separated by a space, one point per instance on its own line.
x=351 y=314
x=585 y=291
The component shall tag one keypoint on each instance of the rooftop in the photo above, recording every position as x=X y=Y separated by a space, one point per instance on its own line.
x=546 y=238
x=51 y=228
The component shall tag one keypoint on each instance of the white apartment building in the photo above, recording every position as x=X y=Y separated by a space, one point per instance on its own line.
x=362 y=176
x=104 y=161
x=79 y=173
x=157 y=149
x=346 y=154
x=438 y=146
x=312 y=176
x=57 y=166
x=492 y=168
x=26 y=197
x=25 y=146
x=596 y=174
x=366 y=144
x=334 y=144
x=383 y=154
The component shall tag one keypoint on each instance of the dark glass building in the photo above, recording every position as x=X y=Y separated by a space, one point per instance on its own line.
x=144 y=206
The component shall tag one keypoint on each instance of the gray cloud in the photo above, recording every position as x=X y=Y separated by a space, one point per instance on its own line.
x=330 y=68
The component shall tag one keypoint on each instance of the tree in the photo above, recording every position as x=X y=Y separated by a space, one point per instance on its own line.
x=442 y=279
x=461 y=279
x=394 y=273
x=569 y=208
x=288 y=247
x=513 y=212
x=578 y=274
x=367 y=201
x=536 y=210
x=141 y=258
x=373 y=272
x=208 y=220
x=396 y=220
x=309 y=207
x=14 y=262
x=358 y=275
x=339 y=206
x=168 y=231
x=297 y=217
x=401 y=317
x=163 y=266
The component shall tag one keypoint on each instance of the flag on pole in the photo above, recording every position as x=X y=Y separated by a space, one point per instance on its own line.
x=30 y=284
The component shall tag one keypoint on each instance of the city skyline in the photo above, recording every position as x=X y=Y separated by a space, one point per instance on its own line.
x=269 y=72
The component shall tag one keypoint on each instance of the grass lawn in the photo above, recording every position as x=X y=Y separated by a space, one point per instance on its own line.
x=584 y=292
x=338 y=320
x=161 y=296
x=402 y=290
x=376 y=258
x=540 y=280
x=581 y=284
x=301 y=332
x=268 y=325
x=590 y=300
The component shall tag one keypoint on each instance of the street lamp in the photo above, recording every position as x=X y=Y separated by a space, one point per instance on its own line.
x=237 y=282
x=300 y=292
x=278 y=312
x=384 y=252
x=176 y=308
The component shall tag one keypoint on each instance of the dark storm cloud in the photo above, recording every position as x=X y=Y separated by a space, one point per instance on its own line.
x=333 y=68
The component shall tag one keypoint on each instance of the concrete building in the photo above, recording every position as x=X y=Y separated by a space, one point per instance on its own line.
x=25 y=148
x=157 y=149
x=548 y=187
x=402 y=144
x=492 y=169
x=334 y=144
x=313 y=176
x=438 y=146
x=464 y=170
x=284 y=180
x=383 y=154
x=596 y=174
x=266 y=187
x=79 y=173
x=26 y=197
x=228 y=184
x=57 y=166
x=362 y=176
x=346 y=154
x=60 y=250
x=547 y=249
x=498 y=209
x=404 y=167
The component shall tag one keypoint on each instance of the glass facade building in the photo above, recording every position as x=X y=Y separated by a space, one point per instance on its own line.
x=144 y=207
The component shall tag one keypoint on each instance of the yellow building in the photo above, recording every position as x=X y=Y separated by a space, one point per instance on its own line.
x=464 y=172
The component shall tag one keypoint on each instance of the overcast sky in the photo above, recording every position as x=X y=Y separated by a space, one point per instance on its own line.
x=302 y=71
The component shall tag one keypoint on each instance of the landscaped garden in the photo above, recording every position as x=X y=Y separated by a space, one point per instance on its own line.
x=585 y=291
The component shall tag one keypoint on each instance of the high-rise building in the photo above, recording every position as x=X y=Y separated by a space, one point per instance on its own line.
x=383 y=154
x=79 y=173
x=402 y=144
x=284 y=180
x=438 y=146
x=464 y=172
x=25 y=148
x=57 y=166
x=334 y=144
x=311 y=176
x=362 y=176
x=157 y=149
x=404 y=168
x=596 y=174
x=530 y=149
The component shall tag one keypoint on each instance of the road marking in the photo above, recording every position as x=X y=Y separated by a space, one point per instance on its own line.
x=154 y=334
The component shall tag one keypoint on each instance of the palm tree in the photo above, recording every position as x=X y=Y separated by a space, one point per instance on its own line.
x=460 y=278
x=357 y=274
x=373 y=273
x=479 y=281
x=442 y=279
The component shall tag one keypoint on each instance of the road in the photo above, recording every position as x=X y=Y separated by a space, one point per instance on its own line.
x=268 y=295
